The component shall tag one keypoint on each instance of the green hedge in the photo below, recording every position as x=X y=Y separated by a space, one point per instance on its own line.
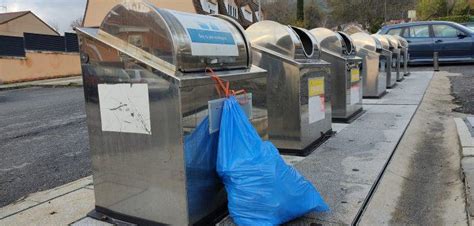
x=457 y=19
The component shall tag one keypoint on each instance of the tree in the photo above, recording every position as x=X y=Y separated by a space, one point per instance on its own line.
x=371 y=14
x=300 y=10
x=278 y=11
x=460 y=7
x=76 y=23
x=428 y=9
x=314 y=17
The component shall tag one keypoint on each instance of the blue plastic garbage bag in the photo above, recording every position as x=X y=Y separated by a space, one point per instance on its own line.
x=261 y=188
x=204 y=186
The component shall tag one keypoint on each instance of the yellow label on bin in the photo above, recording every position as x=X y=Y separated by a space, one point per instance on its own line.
x=355 y=75
x=316 y=87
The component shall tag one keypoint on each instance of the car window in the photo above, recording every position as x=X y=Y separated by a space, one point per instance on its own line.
x=445 y=31
x=420 y=31
x=395 y=31
x=406 y=32
x=131 y=73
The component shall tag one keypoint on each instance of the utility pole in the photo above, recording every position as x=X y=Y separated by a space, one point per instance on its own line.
x=385 y=11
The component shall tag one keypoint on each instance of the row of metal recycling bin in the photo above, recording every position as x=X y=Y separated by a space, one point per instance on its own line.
x=148 y=84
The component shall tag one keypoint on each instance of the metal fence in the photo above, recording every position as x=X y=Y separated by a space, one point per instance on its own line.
x=44 y=42
x=72 y=43
x=16 y=46
x=12 y=46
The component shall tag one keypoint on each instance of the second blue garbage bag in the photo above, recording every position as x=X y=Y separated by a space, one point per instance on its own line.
x=261 y=188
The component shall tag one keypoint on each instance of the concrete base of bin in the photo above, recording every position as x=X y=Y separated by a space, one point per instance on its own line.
x=391 y=87
x=351 y=118
x=308 y=150
x=114 y=218
x=376 y=97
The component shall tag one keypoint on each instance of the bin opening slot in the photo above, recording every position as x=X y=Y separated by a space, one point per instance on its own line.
x=306 y=41
x=349 y=48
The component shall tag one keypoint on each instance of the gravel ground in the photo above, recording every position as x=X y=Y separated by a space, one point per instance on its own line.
x=43 y=142
x=463 y=91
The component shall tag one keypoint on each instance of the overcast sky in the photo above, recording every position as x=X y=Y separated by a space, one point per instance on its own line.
x=53 y=12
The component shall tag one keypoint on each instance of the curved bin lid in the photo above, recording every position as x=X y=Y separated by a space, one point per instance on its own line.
x=328 y=40
x=383 y=40
x=188 y=42
x=365 y=41
x=349 y=48
x=394 y=43
x=291 y=42
x=403 y=42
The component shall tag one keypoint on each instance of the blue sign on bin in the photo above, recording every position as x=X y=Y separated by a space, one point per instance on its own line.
x=211 y=37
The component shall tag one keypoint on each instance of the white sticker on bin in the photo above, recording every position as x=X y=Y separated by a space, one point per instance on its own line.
x=215 y=110
x=316 y=100
x=355 y=95
x=209 y=36
x=125 y=108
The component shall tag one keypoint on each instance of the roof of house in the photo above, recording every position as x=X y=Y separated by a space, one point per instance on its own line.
x=7 y=17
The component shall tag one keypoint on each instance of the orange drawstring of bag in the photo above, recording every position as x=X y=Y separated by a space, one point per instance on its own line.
x=223 y=86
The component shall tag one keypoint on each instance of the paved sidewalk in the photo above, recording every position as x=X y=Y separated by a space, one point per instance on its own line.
x=465 y=128
x=347 y=167
x=59 y=206
x=67 y=81
x=344 y=169
x=422 y=184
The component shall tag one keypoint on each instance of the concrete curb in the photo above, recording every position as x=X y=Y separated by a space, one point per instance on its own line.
x=41 y=85
x=467 y=162
x=40 y=198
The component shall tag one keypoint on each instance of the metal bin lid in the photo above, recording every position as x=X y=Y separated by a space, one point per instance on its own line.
x=383 y=40
x=176 y=40
x=363 y=40
x=349 y=48
x=337 y=43
x=403 y=42
x=394 y=43
x=291 y=42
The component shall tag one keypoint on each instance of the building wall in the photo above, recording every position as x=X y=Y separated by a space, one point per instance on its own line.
x=98 y=9
x=27 y=23
x=39 y=65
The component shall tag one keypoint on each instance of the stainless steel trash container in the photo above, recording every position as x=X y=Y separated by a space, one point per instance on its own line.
x=146 y=91
x=373 y=67
x=396 y=49
x=405 y=56
x=387 y=60
x=338 y=49
x=299 y=104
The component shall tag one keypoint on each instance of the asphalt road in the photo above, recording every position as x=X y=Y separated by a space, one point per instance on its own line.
x=462 y=85
x=43 y=140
